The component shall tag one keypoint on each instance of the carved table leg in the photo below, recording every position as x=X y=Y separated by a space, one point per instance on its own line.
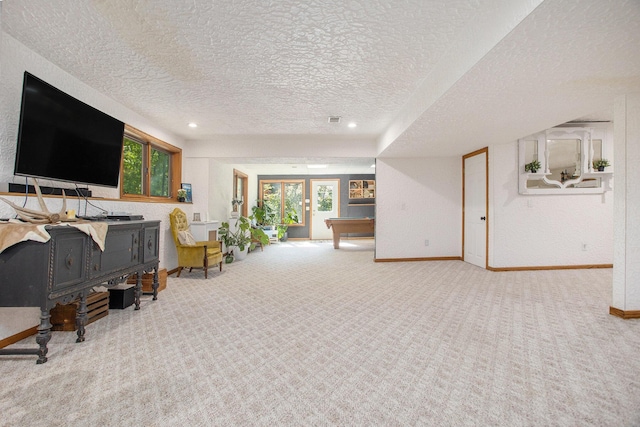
x=137 y=291
x=155 y=283
x=44 y=335
x=81 y=316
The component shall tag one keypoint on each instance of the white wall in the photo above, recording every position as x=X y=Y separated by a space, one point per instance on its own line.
x=543 y=230
x=196 y=172
x=212 y=183
x=626 y=270
x=220 y=189
x=418 y=199
x=289 y=146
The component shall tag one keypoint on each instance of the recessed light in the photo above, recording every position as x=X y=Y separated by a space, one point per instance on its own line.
x=352 y=125
x=193 y=125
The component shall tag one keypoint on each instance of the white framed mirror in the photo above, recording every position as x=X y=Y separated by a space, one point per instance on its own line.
x=564 y=159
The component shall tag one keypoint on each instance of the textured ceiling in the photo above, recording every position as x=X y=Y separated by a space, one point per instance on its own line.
x=246 y=67
x=437 y=77
x=565 y=61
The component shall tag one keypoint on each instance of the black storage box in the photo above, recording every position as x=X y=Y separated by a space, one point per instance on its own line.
x=121 y=296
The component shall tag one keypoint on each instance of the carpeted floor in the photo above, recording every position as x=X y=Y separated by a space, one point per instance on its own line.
x=304 y=335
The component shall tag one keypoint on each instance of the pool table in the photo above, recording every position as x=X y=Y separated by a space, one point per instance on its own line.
x=349 y=225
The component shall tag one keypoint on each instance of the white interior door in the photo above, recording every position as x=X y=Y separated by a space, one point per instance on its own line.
x=325 y=203
x=475 y=209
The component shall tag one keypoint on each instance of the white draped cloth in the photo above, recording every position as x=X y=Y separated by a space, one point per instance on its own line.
x=15 y=231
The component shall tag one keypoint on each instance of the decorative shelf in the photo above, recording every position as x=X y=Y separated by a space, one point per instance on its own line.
x=537 y=175
x=596 y=174
x=563 y=152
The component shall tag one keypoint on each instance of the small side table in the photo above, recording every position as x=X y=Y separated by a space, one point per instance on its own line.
x=205 y=230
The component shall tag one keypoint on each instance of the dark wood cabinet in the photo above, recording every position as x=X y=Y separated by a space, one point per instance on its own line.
x=34 y=274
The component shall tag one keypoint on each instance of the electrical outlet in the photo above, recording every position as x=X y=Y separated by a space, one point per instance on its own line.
x=426 y=242
x=584 y=246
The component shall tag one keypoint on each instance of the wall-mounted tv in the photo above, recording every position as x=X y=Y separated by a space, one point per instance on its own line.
x=64 y=139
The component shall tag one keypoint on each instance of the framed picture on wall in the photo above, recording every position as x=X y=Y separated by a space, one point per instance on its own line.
x=187 y=187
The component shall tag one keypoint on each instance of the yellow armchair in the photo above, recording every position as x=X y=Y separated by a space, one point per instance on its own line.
x=196 y=254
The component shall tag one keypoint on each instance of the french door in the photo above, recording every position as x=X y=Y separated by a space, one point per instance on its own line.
x=325 y=203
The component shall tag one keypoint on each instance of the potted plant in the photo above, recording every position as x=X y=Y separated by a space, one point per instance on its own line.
x=227 y=237
x=263 y=215
x=182 y=195
x=258 y=236
x=532 y=167
x=601 y=164
x=236 y=203
x=235 y=241
x=239 y=241
x=290 y=218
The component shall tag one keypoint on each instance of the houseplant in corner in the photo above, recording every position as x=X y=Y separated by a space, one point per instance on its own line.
x=601 y=164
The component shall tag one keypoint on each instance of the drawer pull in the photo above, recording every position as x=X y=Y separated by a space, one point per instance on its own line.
x=150 y=244
x=68 y=261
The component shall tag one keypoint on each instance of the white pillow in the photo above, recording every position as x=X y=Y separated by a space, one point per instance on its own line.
x=186 y=238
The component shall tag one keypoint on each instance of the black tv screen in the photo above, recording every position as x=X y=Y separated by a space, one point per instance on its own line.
x=64 y=139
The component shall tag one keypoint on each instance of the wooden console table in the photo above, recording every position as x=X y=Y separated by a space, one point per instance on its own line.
x=34 y=274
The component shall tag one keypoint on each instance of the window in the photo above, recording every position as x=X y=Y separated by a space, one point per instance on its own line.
x=285 y=198
x=325 y=198
x=150 y=167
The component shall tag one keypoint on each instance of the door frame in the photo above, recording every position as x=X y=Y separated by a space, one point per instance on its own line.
x=484 y=150
x=311 y=200
x=241 y=176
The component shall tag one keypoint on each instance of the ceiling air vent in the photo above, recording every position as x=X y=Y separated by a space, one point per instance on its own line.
x=334 y=119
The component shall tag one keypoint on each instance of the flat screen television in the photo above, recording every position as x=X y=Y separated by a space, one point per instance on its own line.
x=62 y=138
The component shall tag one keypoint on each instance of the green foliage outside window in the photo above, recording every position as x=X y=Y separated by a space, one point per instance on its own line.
x=293 y=202
x=134 y=164
x=160 y=167
x=325 y=198
x=132 y=177
x=272 y=197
